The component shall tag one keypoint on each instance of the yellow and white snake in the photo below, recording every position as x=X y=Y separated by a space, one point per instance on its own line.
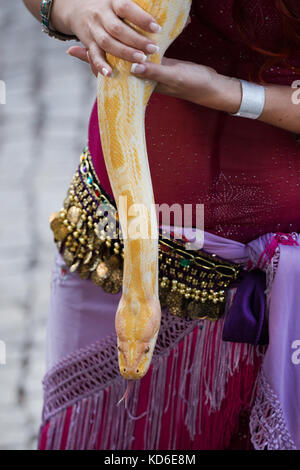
x=122 y=101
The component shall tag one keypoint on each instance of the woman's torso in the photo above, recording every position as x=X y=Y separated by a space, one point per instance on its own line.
x=245 y=172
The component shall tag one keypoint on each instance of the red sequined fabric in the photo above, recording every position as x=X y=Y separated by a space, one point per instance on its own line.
x=245 y=172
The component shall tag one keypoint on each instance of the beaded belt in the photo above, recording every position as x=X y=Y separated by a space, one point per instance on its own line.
x=192 y=283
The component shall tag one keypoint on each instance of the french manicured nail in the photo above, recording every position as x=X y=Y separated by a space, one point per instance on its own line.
x=105 y=71
x=155 y=27
x=139 y=56
x=137 y=68
x=152 y=48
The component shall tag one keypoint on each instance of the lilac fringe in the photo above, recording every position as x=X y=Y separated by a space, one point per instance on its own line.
x=270 y=271
x=90 y=381
x=93 y=368
x=267 y=423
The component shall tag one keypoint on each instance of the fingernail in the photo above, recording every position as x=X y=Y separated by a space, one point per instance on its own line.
x=137 y=68
x=139 y=56
x=155 y=27
x=152 y=48
x=105 y=71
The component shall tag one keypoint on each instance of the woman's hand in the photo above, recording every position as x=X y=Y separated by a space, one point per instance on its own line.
x=104 y=31
x=100 y=27
x=193 y=82
x=178 y=78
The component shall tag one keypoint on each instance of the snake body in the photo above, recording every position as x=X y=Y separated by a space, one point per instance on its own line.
x=122 y=101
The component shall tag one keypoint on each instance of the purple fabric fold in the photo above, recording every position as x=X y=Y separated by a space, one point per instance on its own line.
x=279 y=406
x=275 y=417
x=246 y=320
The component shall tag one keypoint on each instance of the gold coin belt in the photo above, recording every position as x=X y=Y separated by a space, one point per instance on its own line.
x=192 y=283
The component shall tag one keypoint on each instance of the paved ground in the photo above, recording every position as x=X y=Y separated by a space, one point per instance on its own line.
x=43 y=127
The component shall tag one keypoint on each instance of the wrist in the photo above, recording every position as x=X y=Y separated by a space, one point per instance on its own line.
x=225 y=93
x=61 y=16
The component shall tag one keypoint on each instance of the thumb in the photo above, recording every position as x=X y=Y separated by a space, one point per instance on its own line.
x=78 y=52
x=153 y=71
x=82 y=54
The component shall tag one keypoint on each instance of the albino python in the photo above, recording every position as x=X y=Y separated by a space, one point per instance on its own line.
x=122 y=101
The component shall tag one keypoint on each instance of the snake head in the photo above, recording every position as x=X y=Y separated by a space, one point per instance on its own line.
x=135 y=357
x=137 y=333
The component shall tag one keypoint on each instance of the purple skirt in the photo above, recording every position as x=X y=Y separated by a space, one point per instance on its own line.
x=197 y=382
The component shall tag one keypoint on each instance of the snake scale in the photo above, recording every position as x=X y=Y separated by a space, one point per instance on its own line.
x=122 y=101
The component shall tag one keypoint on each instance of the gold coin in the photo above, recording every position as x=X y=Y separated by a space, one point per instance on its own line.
x=114 y=262
x=100 y=274
x=68 y=257
x=113 y=283
x=83 y=271
x=73 y=214
x=102 y=270
x=60 y=231
x=91 y=238
x=80 y=224
x=53 y=216
x=93 y=264
x=195 y=310
x=74 y=266
x=88 y=257
x=117 y=280
x=66 y=202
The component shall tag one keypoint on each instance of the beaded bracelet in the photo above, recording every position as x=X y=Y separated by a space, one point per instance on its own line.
x=46 y=7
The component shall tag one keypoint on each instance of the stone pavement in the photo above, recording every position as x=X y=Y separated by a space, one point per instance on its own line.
x=43 y=128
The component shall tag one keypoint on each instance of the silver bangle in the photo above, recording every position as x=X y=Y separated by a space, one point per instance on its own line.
x=253 y=100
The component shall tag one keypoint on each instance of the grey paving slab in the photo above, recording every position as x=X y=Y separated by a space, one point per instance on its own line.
x=43 y=127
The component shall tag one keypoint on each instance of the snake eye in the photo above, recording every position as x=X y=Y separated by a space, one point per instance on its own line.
x=147 y=349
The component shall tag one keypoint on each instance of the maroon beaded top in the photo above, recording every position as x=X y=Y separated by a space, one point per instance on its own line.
x=245 y=172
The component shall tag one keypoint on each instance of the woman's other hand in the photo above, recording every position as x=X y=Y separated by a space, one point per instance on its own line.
x=108 y=33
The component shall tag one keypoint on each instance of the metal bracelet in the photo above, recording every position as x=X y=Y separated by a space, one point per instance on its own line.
x=253 y=100
x=46 y=7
